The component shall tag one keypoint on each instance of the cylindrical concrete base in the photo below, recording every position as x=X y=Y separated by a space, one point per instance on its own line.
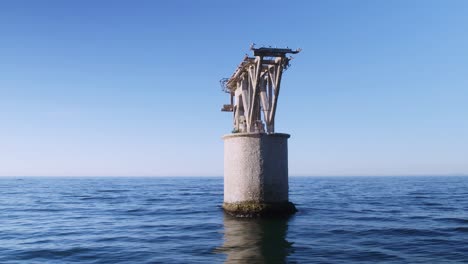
x=256 y=174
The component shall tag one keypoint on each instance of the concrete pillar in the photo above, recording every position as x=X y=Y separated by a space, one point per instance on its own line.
x=256 y=174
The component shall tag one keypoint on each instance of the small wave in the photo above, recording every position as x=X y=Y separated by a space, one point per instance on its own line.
x=418 y=217
x=375 y=218
x=453 y=220
x=51 y=253
x=98 y=198
x=387 y=231
x=421 y=197
x=432 y=204
x=136 y=210
x=462 y=229
x=401 y=232
x=340 y=231
x=374 y=255
x=112 y=191
x=154 y=200
x=47 y=210
x=419 y=193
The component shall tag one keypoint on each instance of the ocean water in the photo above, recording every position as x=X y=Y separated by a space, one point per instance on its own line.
x=180 y=220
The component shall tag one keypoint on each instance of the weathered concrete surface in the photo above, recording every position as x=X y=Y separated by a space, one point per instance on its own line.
x=256 y=174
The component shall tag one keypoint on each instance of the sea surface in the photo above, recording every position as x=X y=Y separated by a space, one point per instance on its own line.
x=180 y=220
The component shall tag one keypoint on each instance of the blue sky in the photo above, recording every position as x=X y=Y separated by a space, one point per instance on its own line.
x=131 y=87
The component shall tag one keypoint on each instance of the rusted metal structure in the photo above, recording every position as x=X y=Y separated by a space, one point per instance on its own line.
x=254 y=89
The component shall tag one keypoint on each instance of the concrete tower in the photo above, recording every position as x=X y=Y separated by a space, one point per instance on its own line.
x=255 y=157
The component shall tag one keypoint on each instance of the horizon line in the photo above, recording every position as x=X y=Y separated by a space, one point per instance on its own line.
x=221 y=176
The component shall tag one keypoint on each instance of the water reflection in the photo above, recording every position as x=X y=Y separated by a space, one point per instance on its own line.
x=255 y=240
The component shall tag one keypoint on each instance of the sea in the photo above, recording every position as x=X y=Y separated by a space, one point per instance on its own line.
x=180 y=220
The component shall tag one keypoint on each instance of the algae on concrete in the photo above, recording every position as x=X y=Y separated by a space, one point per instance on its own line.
x=256 y=209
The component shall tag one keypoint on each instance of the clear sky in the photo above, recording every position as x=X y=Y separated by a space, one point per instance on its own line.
x=131 y=87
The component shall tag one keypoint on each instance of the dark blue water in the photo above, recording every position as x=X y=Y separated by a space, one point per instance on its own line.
x=179 y=220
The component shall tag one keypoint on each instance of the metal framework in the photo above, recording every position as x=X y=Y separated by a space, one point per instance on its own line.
x=254 y=89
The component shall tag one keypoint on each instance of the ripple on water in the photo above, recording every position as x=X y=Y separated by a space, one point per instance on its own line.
x=180 y=220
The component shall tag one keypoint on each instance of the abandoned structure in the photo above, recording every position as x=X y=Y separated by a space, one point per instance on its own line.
x=255 y=157
x=254 y=88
